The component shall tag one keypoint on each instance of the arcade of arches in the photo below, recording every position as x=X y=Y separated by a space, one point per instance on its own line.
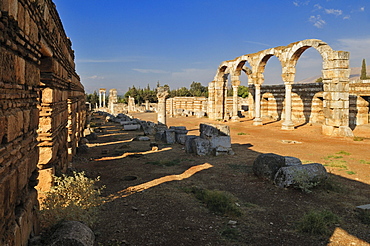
x=327 y=102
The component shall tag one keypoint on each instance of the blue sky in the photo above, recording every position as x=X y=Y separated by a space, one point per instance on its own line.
x=120 y=43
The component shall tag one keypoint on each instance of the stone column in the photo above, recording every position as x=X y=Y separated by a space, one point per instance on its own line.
x=162 y=93
x=100 y=98
x=257 y=103
x=211 y=100
x=235 y=116
x=170 y=100
x=147 y=105
x=288 y=124
x=104 y=98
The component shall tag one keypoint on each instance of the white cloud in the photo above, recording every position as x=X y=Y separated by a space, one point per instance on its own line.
x=95 y=77
x=300 y=3
x=362 y=9
x=317 y=21
x=149 y=70
x=347 y=17
x=263 y=44
x=336 y=12
x=317 y=6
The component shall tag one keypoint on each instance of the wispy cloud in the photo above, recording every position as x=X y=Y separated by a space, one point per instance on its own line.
x=94 y=77
x=362 y=9
x=317 y=21
x=149 y=70
x=300 y=3
x=317 y=6
x=263 y=44
x=336 y=12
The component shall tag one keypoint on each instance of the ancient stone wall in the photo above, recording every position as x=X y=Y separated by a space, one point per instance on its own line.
x=42 y=110
x=335 y=74
x=307 y=103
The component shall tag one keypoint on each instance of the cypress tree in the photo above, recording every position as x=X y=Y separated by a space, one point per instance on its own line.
x=363 y=70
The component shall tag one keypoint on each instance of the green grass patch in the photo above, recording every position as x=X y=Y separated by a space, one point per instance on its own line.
x=365 y=162
x=331 y=184
x=337 y=163
x=317 y=222
x=342 y=153
x=358 y=139
x=351 y=172
x=218 y=202
x=364 y=216
x=232 y=234
x=243 y=133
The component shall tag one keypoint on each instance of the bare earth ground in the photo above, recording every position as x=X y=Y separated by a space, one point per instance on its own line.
x=161 y=212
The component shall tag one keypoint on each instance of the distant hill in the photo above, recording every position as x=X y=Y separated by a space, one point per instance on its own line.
x=355 y=74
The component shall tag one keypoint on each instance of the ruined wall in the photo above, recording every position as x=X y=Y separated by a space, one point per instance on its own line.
x=307 y=103
x=41 y=109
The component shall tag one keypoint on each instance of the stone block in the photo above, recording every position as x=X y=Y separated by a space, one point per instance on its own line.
x=266 y=165
x=180 y=138
x=212 y=130
x=189 y=143
x=131 y=127
x=220 y=141
x=300 y=175
x=170 y=136
x=201 y=146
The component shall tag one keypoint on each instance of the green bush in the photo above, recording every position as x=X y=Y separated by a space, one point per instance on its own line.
x=364 y=216
x=219 y=202
x=72 y=198
x=317 y=222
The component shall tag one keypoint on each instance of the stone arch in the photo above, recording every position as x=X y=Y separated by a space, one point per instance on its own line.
x=335 y=73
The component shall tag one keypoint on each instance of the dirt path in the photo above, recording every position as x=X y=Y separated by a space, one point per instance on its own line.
x=148 y=191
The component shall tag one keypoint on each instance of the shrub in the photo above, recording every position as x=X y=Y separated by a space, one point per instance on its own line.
x=219 y=202
x=315 y=222
x=364 y=216
x=72 y=198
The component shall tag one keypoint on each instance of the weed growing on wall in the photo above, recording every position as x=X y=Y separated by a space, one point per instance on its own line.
x=72 y=198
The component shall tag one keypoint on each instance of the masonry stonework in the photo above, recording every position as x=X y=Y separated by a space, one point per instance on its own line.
x=42 y=110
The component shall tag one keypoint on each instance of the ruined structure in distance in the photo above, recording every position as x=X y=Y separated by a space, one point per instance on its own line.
x=42 y=110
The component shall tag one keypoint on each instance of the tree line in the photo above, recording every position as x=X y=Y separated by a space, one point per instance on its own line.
x=140 y=95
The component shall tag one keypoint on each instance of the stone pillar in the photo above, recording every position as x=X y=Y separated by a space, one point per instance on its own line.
x=112 y=99
x=257 y=103
x=288 y=124
x=211 y=100
x=235 y=116
x=162 y=93
x=336 y=95
x=147 y=105
x=100 y=98
x=170 y=100
x=104 y=98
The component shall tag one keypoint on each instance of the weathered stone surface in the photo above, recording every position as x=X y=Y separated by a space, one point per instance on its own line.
x=131 y=127
x=42 y=110
x=170 y=136
x=189 y=143
x=220 y=141
x=266 y=165
x=208 y=130
x=201 y=146
x=72 y=233
x=292 y=161
x=299 y=175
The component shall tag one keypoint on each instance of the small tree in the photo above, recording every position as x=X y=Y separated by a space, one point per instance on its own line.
x=363 y=70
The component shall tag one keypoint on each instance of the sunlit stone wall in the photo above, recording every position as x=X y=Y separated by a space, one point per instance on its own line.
x=42 y=110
